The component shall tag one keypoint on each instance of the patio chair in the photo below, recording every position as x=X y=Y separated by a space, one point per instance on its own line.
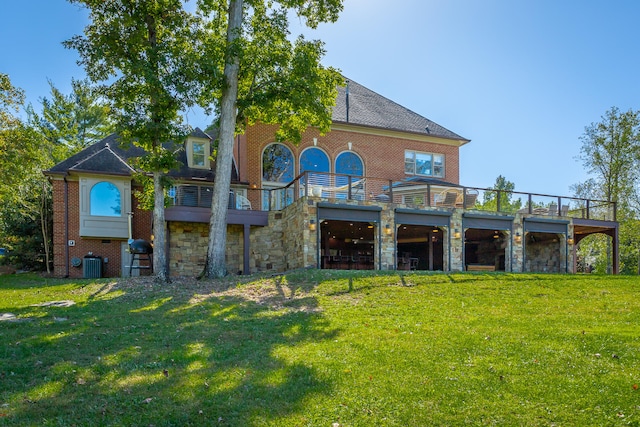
x=553 y=209
x=242 y=203
x=564 y=211
x=470 y=199
x=450 y=199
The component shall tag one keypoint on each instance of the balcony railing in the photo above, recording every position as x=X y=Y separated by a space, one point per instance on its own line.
x=410 y=193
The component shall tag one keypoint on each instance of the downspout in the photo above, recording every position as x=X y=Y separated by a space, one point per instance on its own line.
x=66 y=226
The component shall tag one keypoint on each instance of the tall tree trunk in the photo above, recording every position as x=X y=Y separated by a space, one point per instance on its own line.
x=216 y=249
x=159 y=240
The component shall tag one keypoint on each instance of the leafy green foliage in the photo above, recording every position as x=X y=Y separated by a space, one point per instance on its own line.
x=72 y=122
x=25 y=207
x=611 y=153
x=65 y=124
x=504 y=194
x=144 y=195
x=140 y=50
x=251 y=72
x=321 y=347
x=142 y=54
x=280 y=81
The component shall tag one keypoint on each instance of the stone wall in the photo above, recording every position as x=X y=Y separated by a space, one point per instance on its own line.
x=547 y=254
x=288 y=242
x=187 y=248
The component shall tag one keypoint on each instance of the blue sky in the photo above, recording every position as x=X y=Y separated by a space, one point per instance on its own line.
x=520 y=78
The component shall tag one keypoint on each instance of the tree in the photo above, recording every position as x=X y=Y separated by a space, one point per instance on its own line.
x=504 y=193
x=141 y=51
x=65 y=124
x=24 y=196
x=72 y=122
x=258 y=74
x=611 y=153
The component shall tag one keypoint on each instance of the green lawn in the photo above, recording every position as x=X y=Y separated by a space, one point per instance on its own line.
x=322 y=348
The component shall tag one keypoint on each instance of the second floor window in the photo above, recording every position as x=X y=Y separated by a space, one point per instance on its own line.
x=105 y=200
x=277 y=164
x=199 y=155
x=424 y=164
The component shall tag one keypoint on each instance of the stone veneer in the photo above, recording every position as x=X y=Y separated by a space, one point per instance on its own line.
x=289 y=243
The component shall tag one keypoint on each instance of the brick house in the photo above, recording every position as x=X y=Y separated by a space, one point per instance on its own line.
x=380 y=191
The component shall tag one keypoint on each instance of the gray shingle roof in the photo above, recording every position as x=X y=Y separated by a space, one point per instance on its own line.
x=110 y=157
x=368 y=108
x=105 y=156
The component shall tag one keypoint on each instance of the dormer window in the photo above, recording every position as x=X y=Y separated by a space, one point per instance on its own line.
x=198 y=153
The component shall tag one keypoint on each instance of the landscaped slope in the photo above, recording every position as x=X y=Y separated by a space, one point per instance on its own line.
x=321 y=348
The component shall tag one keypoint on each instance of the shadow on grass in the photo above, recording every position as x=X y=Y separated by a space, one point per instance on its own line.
x=165 y=356
x=30 y=280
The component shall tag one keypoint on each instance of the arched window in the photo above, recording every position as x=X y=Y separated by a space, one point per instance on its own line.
x=349 y=163
x=277 y=164
x=105 y=200
x=315 y=160
x=277 y=171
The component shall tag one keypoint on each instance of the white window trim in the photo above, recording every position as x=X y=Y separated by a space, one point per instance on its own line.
x=414 y=152
x=335 y=162
x=207 y=152
x=111 y=227
x=277 y=184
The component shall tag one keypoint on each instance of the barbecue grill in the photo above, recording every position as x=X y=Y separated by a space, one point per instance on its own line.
x=140 y=249
x=140 y=246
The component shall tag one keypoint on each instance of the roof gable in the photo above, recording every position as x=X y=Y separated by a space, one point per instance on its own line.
x=105 y=156
x=110 y=157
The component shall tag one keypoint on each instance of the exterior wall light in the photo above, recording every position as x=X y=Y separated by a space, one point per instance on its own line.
x=387 y=229
x=456 y=234
x=312 y=224
x=570 y=240
x=518 y=238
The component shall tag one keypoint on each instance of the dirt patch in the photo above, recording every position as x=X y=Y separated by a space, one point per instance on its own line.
x=270 y=291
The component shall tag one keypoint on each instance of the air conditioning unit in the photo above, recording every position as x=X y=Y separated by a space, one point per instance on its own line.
x=92 y=267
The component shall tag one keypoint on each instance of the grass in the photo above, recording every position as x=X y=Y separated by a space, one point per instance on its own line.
x=322 y=348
